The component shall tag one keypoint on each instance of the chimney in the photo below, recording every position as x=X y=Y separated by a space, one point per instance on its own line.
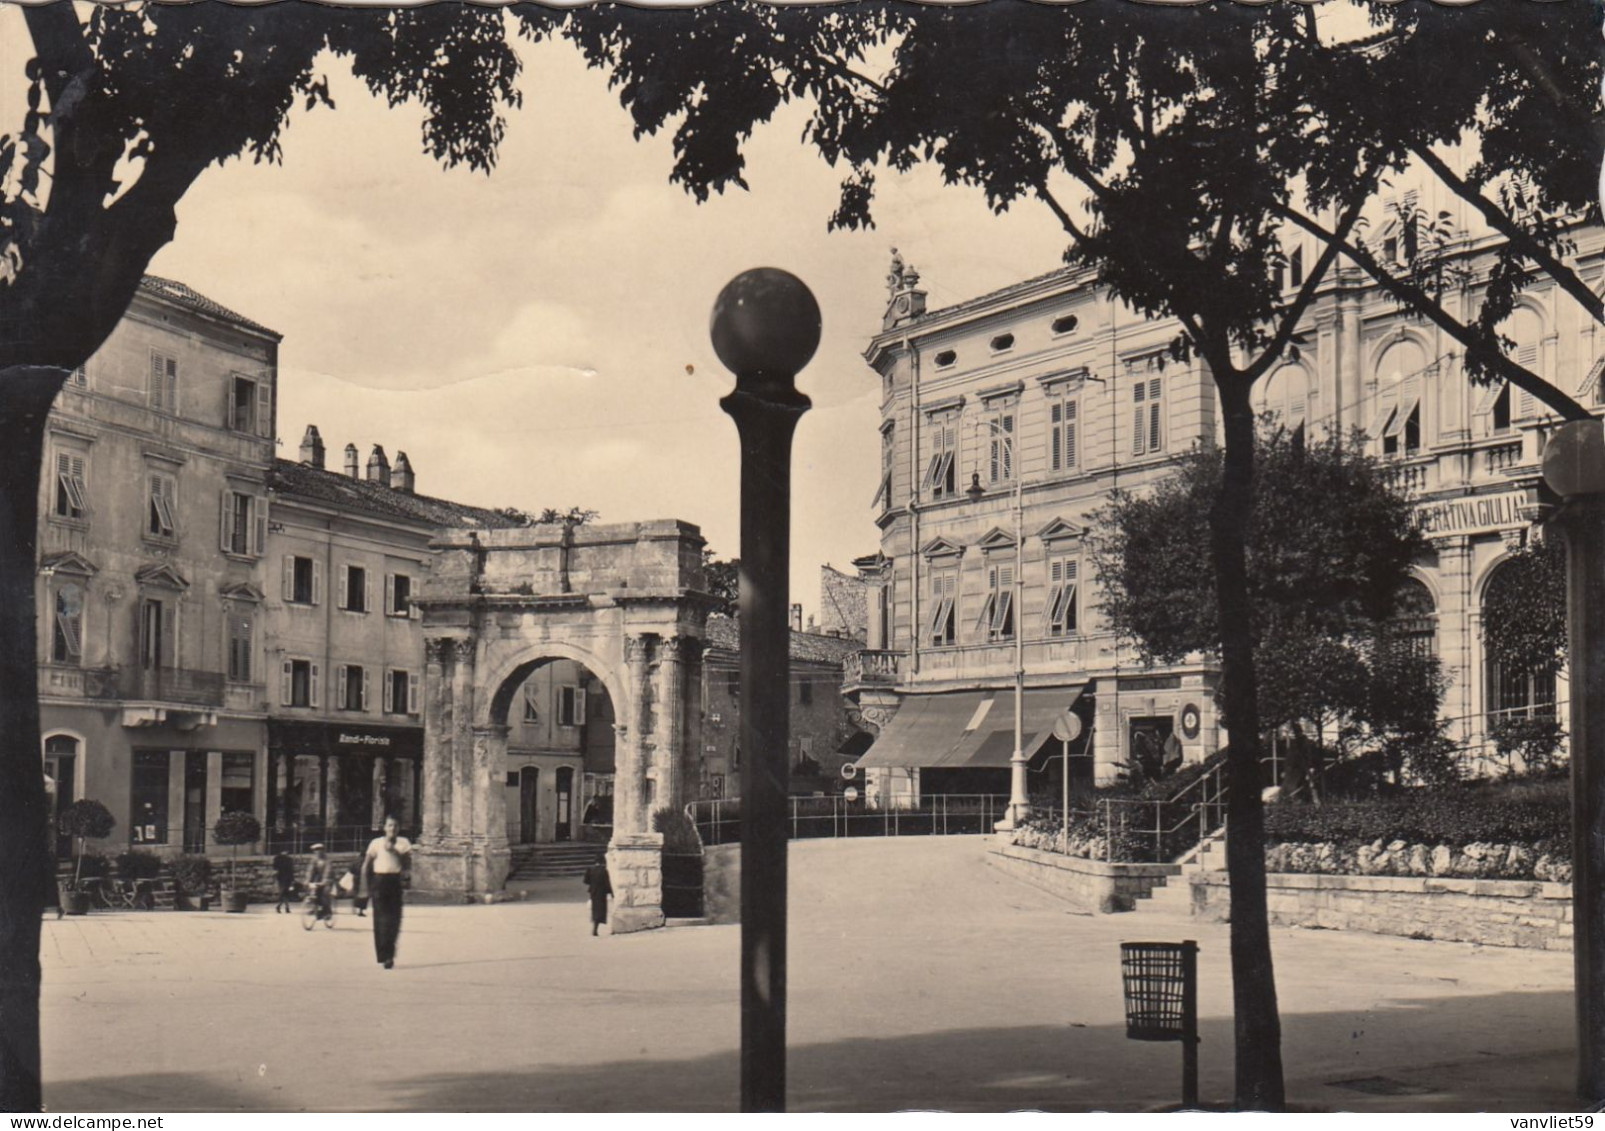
x=312 y=448
x=351 y=462
x=378 y=466
x=402 y=477
x=796 y=618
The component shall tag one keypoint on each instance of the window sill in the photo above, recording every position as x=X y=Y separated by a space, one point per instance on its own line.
x=68 y=522
x=238 y=557
x=161 y=541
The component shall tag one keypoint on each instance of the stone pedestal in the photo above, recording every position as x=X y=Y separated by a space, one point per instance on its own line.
x=635 y=865
x=460 y=868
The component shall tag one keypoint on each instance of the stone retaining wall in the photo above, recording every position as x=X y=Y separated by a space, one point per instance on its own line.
x=1090 y=885
x=721 y=883
x=1523 y=913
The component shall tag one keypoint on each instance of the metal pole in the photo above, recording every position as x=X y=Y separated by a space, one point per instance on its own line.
x=1189 y=1021
x=1064 y=772
x=1019 y=803
x=765 y=327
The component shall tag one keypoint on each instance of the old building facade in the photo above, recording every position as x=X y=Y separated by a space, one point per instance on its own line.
x=1006 y=421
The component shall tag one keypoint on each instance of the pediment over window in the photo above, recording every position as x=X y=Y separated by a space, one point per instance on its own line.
x=1059 y=530
x=241 y=591
x=162 y=575
x=995 y=539
x=68 y=562
x=942 y=548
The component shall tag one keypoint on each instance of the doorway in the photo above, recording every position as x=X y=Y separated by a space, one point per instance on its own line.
x=1149 y=749
x=195 y=801
x=61 y=767
x=565 y=802
x=529 y=782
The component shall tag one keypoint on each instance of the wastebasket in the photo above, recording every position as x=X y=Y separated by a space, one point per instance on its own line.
x=1161 y=984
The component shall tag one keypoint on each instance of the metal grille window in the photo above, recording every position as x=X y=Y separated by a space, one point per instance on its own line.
x=1061 y=610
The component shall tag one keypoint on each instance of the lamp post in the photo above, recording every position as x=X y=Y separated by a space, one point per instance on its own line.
x=1019 y=803
x=765 y=327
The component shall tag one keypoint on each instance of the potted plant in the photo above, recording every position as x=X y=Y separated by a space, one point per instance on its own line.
x=235 y=828
x=83 y=820
x=193 y=875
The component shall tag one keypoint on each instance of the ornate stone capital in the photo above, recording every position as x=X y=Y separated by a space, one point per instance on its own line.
x=638 y=648
x=437 y=649
x=463 y=650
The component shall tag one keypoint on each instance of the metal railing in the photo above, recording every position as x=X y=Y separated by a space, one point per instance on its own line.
x=719 y=821
x=171 y=685
x=871 y=665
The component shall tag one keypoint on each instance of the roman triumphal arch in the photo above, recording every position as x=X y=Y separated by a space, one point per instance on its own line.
x=625 y=600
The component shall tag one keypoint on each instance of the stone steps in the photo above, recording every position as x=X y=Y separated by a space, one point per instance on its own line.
x=553 y=861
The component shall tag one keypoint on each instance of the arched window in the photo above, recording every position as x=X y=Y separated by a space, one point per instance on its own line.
x=1415 y=618
x=1285 y=394
x=1514 y=692
x=1401 y=379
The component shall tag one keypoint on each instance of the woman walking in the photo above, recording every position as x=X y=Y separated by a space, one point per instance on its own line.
x=383 y=863
x=596 y=879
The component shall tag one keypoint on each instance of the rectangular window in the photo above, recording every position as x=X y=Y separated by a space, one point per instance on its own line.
x=883 y=495
x=401 y=692
x=163 y=388
x=351 y=684
x=940 y=628
x=571 y=706
x=354 y=590
x=148 y=798
x=941 y=474
x=1148 y=416
x=996 y=621
x=303 y=580
x=398 y=595
x=161 y=506
x=243 y=524
x=156 y=632
x=240 y=626
x=1295 y=267
x=1000 y=430
x=300 y=684
x=532 y=702
x=67 y=632
x=249 y=406
x=1063 y=424
x=1061 y=611
x=805 y=691
x=71 y=494
x=239 y=783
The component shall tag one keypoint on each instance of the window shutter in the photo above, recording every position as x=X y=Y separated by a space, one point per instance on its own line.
x=260 y=525
x=1139 y=419
x=1070 y=413
x=157 y=381
x=389 y=692
x=367 y=591
x=264 y=409
x=289 y=577
x=340 y=693
x=343 y=588
x=317 y=583
x=315 y=686
x=1055 y=438
x=172 y=386
x=367 y=680
x=286 y=680
x=414 y=706
x=225 y=529
x=167 y=656
x=579 y=706
x=1527 y=358
x=390 y=593
x=232 y=410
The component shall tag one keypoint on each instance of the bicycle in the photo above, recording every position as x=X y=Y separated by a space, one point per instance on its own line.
x=313 y=909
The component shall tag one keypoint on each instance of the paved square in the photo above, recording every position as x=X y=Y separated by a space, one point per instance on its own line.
x=920 y=976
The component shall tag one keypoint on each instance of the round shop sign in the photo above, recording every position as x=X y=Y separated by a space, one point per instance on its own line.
x=1190 y=720
x=849 y=771
x=1067 y=727
x=851 y=793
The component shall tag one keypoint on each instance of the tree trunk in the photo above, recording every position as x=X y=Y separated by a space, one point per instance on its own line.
x=1257 y=1025
x=25 y=841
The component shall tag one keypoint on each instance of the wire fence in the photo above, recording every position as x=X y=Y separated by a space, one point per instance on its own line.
x=969 y=814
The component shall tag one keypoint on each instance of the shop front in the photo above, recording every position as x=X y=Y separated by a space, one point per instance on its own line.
x=337 y=782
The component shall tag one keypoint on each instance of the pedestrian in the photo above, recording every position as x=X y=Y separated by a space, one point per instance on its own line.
x=318 y=882
x=284 y=877
x=359 y=889
x=596 y=879
x=383 y=862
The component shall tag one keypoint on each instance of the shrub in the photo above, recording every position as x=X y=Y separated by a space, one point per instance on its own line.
x=136 y=865
x=679 y=834
x=192 y=874
x=83 y=820
x=235 y=828
x=1456 y=818
x=1530 y=745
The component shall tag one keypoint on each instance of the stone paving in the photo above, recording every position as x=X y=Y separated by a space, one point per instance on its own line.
x=921 y=977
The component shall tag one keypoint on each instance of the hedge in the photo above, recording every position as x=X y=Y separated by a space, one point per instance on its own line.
x=1451 y=817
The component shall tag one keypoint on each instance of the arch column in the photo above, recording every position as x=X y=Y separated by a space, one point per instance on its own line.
x=669 y=741
x=463 y=843
x=629 y=783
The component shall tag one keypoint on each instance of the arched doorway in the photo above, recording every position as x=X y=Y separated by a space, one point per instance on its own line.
x=561 y=753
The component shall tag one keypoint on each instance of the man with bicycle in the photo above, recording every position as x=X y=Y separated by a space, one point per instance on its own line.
x=318 y=882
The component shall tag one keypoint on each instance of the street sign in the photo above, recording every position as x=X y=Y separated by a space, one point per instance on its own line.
x=1067 y=727
x=851 y=793
x=849 y=771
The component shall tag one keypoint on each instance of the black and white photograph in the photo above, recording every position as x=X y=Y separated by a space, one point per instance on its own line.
x=821 y=557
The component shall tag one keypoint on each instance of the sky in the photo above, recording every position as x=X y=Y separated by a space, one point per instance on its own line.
x=539 y=336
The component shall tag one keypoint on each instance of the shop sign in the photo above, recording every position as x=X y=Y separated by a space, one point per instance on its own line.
x=1473 y=514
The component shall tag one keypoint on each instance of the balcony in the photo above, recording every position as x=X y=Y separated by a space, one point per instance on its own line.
x=1498 y=460
x=186 y=686
x=68 y=682
x=871 y=667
